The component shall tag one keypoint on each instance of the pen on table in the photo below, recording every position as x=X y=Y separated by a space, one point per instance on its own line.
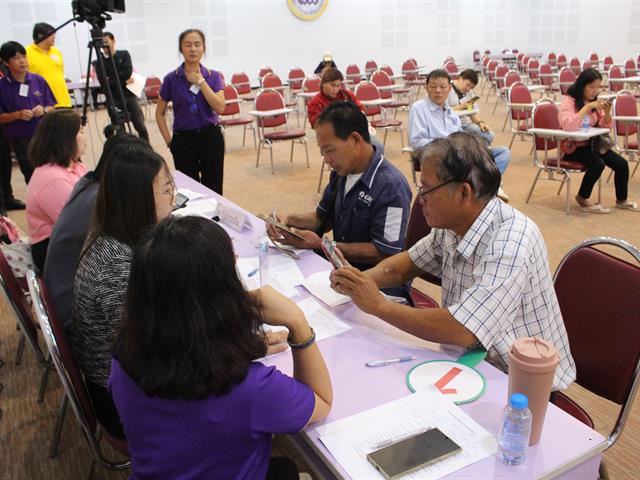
x=389 y=361
x=252 y=272
x=404 y=436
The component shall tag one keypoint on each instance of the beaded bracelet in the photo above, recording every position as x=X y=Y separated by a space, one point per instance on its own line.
x=306 y=343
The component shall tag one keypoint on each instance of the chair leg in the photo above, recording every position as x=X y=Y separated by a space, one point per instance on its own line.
x=271 y=157
x=258 y=157
x=384 y=140
x=560 y=189
x=244 y=134
x=255 y=142
x=513 y=137
x=43 y=382
x=506 y=117
x=291 y=155
x=568 y=180
x=306 y=151
x=57 y=430
x=495 y=105
x=20 y=349
x=534 y=185
x=636 y=167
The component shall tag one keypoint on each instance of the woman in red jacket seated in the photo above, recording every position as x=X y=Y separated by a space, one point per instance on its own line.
x=330 y=91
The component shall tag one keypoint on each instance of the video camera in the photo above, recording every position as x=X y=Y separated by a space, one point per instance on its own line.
x=95 y=11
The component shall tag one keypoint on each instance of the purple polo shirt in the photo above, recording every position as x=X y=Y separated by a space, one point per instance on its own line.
x=11 y=101
x=190 y=111
x=216 y=437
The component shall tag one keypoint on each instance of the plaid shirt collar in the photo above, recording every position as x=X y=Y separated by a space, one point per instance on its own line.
x=468 y=244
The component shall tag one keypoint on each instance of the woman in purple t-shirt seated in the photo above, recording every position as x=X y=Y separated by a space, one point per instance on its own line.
x=193 y=401
x=197 y=95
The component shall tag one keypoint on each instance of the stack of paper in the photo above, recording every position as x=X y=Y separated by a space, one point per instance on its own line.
x=202 y=208
x=284 y=274
x=350 y=439
x=320 y=286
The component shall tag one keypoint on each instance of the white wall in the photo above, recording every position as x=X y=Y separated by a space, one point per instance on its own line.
x=243 y=35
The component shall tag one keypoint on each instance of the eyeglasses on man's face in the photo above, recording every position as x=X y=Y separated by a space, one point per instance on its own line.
x=423 y=193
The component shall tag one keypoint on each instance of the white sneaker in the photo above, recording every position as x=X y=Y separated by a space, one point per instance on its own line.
x=502 y=195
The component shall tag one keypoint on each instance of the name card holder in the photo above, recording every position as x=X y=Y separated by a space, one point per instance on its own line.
x=233 y=217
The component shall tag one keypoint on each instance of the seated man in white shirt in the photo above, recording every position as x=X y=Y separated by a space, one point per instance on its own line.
x=432 y=118
x=460 y=96
x=492 y=259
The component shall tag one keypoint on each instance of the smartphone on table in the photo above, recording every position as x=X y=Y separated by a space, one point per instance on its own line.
x=413 y=453
x=328 y=247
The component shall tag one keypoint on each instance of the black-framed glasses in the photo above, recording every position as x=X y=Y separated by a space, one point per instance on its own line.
x=423 y=193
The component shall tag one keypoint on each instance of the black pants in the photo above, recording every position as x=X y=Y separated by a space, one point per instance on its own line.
x=105 y=409
x=595 y=164
x=282 y=468
x=6 y=191
x=20 y=148
x=136 y=115
x=200 y=155
x=39 y=253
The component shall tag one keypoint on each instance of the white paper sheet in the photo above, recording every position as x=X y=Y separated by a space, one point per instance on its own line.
x=284 y=274
x=350 y=439
x=137 y=86
x=320 y=286
x=203 y=208
x=190 y=194
x=323 y=322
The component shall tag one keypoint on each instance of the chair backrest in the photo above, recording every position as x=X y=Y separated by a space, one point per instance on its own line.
x=545 y=115
x=16 y=299
x=270 y=100
x=562 y=60
x=68 y=371
x=524 y=63
x=545 y=75
x=271 y=80
x=500 y=74
x=593 y=59
x=624 y=105
x=152 y=88
x=519 y=93
x=388 y=70
x=231 y=108
x=451 y=68
x=491 y=69
x=311 y=84
x=476 y=56
x=533 y=67
x=418 y=228
x=353 y=73
x=241 y=81
x=519 y=58
x=598 y=297
x=511 y=77
x=567 y=77
x=586 y=65
x=551 y=59
x=629 y=67
x=295 y=77
x=381 y=79
x=370 y=66
x=264 y=70
x=487 y=52
x=485 y=61
x=368 y=91
x=607 y=62
x=614 y=73
x=574 y=65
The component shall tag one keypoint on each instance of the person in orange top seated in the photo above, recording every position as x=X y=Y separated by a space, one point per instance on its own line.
x=330 y=91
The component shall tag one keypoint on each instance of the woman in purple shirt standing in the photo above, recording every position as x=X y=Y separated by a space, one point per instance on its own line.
x=191 y=395
x=197 y=95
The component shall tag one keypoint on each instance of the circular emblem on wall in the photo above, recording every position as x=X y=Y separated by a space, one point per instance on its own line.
x=307 y=9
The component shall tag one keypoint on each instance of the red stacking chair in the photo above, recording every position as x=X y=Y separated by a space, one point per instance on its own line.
x=231 y=117
x=273 y=82
x=241 y=81
x=270 y=100
x=386 y=87
x=552 y=59
x=451 y=69
x=533 y=68
x=597 y=294
x=262 y=72
x=545 y=115
x=295 y=79
x=630 y=68
x=561 y=61
x=411 y=79
x=72 y=381
x=567 y=77
x=476 y=58
x=152 y=86
x=500 y=80
x=491 y=76
x=607 y=62
x=400 y=90
x=575 y=66
x=309 y=85
x=616 y=79
x=369 y=67
x=519 y=58
x=353 y=74
x=594 y=60
x=549 y=80
x=367 y=91
x=587 y=64
x=520 y=106
x=625 y=131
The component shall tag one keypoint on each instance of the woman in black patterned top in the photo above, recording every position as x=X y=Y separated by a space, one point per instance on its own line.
x=136 y=191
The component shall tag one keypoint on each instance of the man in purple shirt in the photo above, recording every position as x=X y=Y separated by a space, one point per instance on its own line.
x=24 y=98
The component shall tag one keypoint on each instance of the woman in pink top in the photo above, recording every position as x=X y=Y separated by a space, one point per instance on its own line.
x=581 y=100
x=55 y=151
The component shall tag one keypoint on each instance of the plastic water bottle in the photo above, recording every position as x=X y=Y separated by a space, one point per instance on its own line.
x=585 y=123
x=263 y=260
x=513 y=439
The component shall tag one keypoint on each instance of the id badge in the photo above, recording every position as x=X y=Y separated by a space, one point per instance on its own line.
x=24 y=90
x=195 y=89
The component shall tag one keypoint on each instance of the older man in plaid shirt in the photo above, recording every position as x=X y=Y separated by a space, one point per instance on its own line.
x=496 y=284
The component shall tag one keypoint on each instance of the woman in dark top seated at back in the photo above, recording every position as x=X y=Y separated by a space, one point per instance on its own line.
x=192 y=398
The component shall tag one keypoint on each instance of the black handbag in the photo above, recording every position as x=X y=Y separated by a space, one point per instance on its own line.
x=602 y=143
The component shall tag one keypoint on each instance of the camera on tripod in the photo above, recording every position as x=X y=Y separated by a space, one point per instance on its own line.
x=89 y=10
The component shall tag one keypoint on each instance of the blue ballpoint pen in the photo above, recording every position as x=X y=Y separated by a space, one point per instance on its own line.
x=382 y=363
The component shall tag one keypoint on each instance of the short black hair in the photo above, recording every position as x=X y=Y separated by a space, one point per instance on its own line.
x=345 y=118
x=438 y=73
x=108 y=34
x=471 y=75
x=576 y=90
x=41 y=31
x=55 y=139
x=190 y=330
x=10 y=49
x=187 y=32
